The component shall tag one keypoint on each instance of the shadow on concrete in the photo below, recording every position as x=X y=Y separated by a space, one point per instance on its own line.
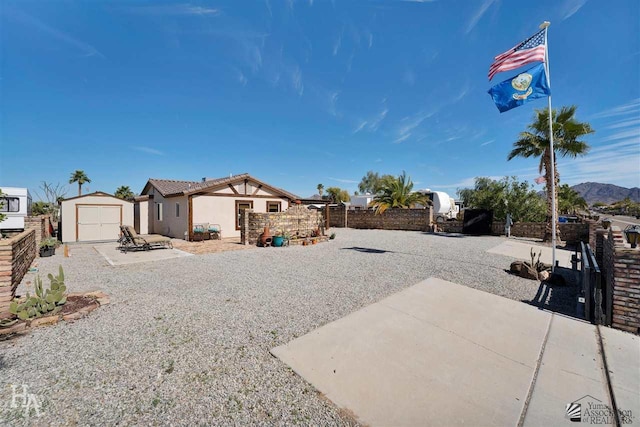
x=560 y=295
x=367 y=250
x=442 y=234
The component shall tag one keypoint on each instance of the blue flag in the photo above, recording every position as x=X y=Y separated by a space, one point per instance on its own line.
x=524 y=87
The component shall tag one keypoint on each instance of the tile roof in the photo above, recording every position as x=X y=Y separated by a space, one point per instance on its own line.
x=168 y=187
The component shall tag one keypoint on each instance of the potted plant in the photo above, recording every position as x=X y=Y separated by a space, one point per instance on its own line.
x=280 y=239
x=48 y=247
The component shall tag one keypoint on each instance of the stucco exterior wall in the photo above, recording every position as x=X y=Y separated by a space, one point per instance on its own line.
x=68 y=212
x=222 y=210
x=170 y=224
x=143 y=216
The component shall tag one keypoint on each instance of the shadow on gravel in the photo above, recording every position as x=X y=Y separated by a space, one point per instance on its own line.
x=558 y=297
x=367 y=250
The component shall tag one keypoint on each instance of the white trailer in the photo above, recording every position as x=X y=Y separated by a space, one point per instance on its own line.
x=15 y=203
x=444 y=207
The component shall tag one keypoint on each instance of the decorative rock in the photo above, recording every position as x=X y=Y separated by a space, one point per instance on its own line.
x=73 y=316
x=15 y=329
x=43 y=321
x=543 y=275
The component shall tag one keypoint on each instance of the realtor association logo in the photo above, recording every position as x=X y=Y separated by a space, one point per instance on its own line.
x=589 y=410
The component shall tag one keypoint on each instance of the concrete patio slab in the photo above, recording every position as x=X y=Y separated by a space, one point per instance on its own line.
x=570 y=370
x=436 y=351
x=522 y=251
x=622 y=350
x=115 y=257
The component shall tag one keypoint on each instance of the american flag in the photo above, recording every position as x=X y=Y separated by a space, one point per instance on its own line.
x=540 y=180
x=530 y=50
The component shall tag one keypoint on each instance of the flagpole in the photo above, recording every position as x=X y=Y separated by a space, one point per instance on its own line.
x=545 y=26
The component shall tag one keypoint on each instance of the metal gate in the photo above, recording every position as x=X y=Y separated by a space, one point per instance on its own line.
x=598 y=296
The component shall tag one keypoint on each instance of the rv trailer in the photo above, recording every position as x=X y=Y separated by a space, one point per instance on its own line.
x=15 y=203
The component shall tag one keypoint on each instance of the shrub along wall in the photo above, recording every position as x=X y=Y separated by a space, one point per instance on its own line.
x=298 y=220
x=16 y=255
x=621 y=268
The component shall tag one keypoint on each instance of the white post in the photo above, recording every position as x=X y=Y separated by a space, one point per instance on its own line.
x=545 y=26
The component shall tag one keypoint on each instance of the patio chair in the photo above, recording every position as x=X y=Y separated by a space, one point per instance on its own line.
x=215 y=231
x=199 y=231
x=131 y=240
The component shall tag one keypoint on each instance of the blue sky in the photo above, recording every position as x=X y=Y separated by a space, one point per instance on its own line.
x=298 y=93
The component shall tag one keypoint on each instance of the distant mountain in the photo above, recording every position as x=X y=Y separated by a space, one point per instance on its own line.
x=606 y=193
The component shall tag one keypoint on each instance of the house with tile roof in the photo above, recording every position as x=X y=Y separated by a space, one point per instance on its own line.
x=174 y=208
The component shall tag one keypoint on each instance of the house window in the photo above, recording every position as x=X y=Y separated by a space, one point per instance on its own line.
x=273 y=207
x=9 y=204
x=159 y=211
x=240 y=206
x=177 y=210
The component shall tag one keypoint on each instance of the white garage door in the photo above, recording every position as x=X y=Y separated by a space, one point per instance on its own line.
x=98 y=222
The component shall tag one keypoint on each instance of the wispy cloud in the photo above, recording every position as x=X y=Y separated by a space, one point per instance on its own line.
x=360 y=126
x=175 y=10
x=148 y=150
x=372 y=124
x=87 y=49
x=570 y=7
x=338 y=42
x=333 y=99
x=487 y=142
x=630 y=107
x=344 y=181
x=476 y=16
x=409 y=123
x=402 y=138
x=296 y=81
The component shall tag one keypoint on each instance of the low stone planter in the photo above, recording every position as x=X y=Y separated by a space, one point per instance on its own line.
x=77 y=309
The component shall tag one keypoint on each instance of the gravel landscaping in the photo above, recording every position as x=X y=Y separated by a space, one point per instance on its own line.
x=186 y=341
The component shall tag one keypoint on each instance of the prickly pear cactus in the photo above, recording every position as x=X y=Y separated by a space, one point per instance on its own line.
x=46 y=301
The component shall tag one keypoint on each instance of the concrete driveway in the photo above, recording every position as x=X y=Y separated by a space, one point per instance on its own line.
x=439 y=353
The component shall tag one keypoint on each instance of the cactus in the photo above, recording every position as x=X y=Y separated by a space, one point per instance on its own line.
x=45 y=301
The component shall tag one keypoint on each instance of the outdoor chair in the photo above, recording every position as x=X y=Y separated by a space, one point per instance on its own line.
x=131 y=240
x=215 y=231
x=199 y=231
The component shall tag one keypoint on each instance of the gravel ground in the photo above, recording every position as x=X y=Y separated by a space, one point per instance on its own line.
x=186 y=341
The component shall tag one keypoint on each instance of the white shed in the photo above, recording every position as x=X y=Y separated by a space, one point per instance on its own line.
x=94 y=217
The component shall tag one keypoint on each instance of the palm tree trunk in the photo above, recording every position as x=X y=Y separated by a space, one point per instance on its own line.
x=548 y=236
x=79 y=189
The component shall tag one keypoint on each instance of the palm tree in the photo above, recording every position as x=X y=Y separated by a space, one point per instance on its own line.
x=320 y=189
x=80 y=177
x=535 y=143
x=569 y=201
x=124 y=192
x=397 y=193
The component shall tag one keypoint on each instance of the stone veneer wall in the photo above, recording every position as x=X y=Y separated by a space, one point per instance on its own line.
x=391 y=219
x=338 y=216
x=621 y=268
x=569 y=232
x=40 y=224
x=298 y=220
x=16 y=255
